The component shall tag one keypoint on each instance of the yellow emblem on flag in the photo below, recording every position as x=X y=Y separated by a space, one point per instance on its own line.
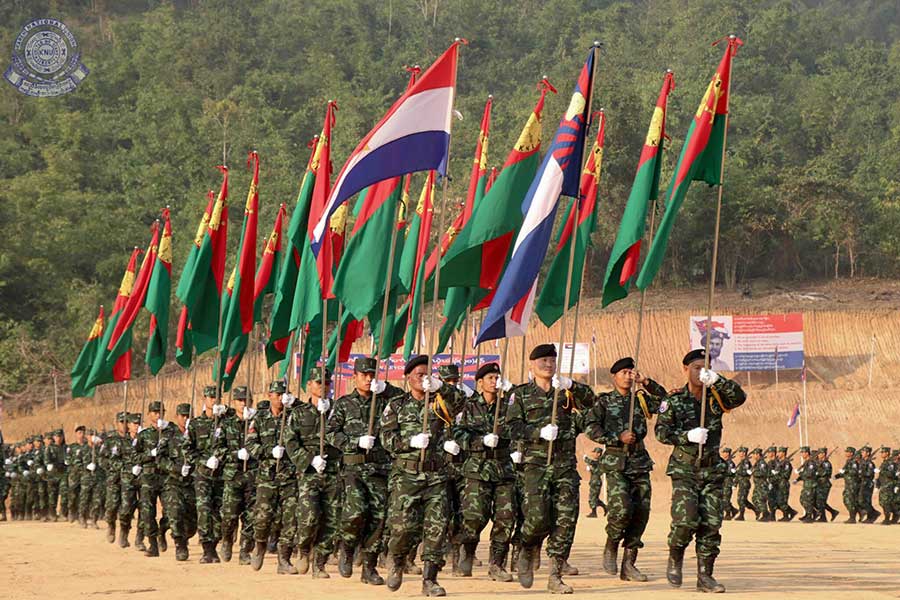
x=654 y=133
x=530 y=138
x=711 y=98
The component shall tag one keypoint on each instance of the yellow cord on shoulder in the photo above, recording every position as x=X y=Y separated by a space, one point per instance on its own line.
x=715 y=394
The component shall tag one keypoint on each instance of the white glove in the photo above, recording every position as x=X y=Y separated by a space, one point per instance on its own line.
x=7 y=462
x=30 y=463
x=431 y=383
x=96 y=440
x=490 y=440
x=698 y=435
x=161 y=423
x=420 y=440
x=796 y=471
x=219 y=410
x=708 y=377
x=469 y=392
x=40 y=471
x=516 y=457
x=91 y=467
x=49 y=468
x=549 y=432
x=14 y=475
x=212 y=463
x=136 y=470
x=243 y=454
x=185 y=470
x=451 y=447
x=318 y=463
x=366 y=442
x=25 y=473
x=561 y=383
x=877 y=470
x=287 y=400
x=505 y=385
x=323 y=405
x=249 y=413
x=589 y=469
x=186 y=425
x=114 y=451
x=153 y=452
x=377 y=386
x=277 y=452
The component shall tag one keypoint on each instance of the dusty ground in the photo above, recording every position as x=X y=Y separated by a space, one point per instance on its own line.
x=784 y=561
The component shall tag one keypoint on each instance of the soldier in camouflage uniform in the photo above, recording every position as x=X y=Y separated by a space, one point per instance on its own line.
x=595 y=486
x=823 y=485
x=205 y=448
x=149 y=449
x=419 y=507
x=179 y=499
x=130 y=485
x=850 y=474
x=39 y=479
x=239 y=475
x=551 y=491
x=626 y=463
x=276 y=483
x=895 y=456
x=885 y=482
x=90 y=484
x=450 y=375
x=728 y=510
x=55 y=463
x=742 y=472
x=807 y=474
x=4 y=476
x=317 y=478
x=76 y=454
x=783 y=485
x=112 y=453
x=696 y=477
x=489 y=490
x=772 y=469
x=364 y=465
x=866 y=485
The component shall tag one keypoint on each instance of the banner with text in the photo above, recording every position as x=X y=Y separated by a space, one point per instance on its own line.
x=751 y=342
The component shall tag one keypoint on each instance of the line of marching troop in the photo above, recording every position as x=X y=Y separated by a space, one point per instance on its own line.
x=380 y=474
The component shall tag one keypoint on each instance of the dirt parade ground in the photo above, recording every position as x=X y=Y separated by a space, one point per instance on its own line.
x=784 y=561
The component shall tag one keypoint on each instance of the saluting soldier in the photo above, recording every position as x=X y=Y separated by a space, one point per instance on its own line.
x=550 y=503
x=239 y=476
x=626 y=463
x=697 y=477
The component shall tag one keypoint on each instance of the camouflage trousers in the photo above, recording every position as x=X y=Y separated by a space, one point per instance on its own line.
x=808 y=496
x=208 y=492
x=696 y=513
x=419 y=510
x=53 y=484
x=761 y=495
x=131 y=488
x=864 y=497
x=151 y=493
x=595 y=489
x=364 y=508
x=238 y=498
x=73 y=493
x=550 y=507
x=783 y=494
x=886 y=498
x=851 y=495
x=520 y=502
x=276 y=502
x=318 y=506
x=64 y=494
x=743 y=493
x=113 y=496
x=488 y=500
x=727 y=490
x=180 y=504
x=628 y=497
x=90 y=491
x=823 y=489
x=455 y=485
x=40 y=494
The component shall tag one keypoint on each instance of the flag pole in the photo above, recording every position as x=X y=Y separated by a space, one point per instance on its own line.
x=522 y=363
x=871 y=361
x=500 y=395
x=576 y=208
x=594 y=365
x=325 y=362
x=465 y=336
x=193 y=390
x=715 y=252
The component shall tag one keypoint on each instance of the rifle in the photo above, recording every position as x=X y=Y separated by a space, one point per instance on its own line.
x=827 y=456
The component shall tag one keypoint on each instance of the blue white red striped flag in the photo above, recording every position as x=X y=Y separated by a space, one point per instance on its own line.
x=414 y=135
x=558 y=175
x=792 y=420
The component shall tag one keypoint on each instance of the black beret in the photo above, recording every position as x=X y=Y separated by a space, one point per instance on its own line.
x=365 y=365
x=486 y=369
x=622 y=363
x=693 y=355
x=541 y=351
x=415 y=361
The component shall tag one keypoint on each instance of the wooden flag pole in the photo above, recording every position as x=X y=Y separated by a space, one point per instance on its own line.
x=500 y=393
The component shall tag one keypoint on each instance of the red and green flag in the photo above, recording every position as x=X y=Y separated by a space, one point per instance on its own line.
x=626 y=251
x=549 y=306
x=85 y=360
x=269 y=266
x=425 y=212
x=159 y=296
x=184 y=344
x=700 y=160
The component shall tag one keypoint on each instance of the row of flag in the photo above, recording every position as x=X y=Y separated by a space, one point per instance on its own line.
x=489 y=257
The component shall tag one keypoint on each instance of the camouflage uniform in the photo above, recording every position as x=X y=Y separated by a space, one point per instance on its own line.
x=866 y=488
x=761 y=489
x=5 y=472
x=179 y=499
x=595 y=485
x=90 y=482
x=823 y=486
x=728 y=510
x=78 y=455
x=239 y=496
x=743 y=471
x=39 y=479
x=149 y=449
x=807 y=474
x=55 y=463
x=885 y=482
x=112 y=452
x=205 y=439
x=850 y=474
x=130 y=486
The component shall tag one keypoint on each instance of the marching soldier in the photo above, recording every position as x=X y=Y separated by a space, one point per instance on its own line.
x=866 y=485
x=39 y=479
x=773 y=473
x=131 y=486
x=807 y=474
x=626 y=463
x=729 y=511
x=449 y=374
x=742 y=475
x=179 y=499
x=850 y=474
x=149 y=448
x=887 y=478
x=239 y=475
x=696 y=477
x=77 y=453
x=55 y=463
x=595 y=486
x=89 y=483
x=112 y=453
x=550 y=504
x=823 y=485
x=783 y=485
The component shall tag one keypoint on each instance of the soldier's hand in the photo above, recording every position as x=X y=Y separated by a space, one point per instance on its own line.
x=451 y=447
x=516 y=457
x=49 y=467
x=136 y=470
x=323 y=405
x=549 y=432
x=490 y=440
x=212 y=463
x=466 y=390
x=287 y=400
x=431 y=383
x=40 y=471
x=249 y=413
x=185 y=470
x=420 y=440
x=708 y=377
x=698 y=435
x=318 y=463
x=153 y=452
x=627 y=437
x=114 y=450
x=219 y=410
x=91 y=467
x=277 y=452
x=25 y=473
x=377 y=386
x=561 y=383
x=7 y=462
x=366 y=442
x=242 y=454
x=162 y=423
x=30 y=463
x=505 y=384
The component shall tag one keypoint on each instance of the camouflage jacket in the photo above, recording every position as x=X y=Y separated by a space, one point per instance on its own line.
x=823 y=472
x=887 y=475
x=79 y=456
x=474 y=422
x=263 y=434
x=730 y=469
x=149 y=439
x=530 y=409
x=743 y=470
x=761 y=474
x=850 y=471
x=205 y=438
x=402 y=419
x=112 y=451
x=683 y=414
x=773 y=472
x=301 y=438
x=233 y=426
x=349 y=420
x=55 y=455
x=807 y=473
x=608 y=418
x=172 y=456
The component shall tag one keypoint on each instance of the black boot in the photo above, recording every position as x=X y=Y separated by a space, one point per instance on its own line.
x=629 y=571
x=123 y=536
x=227 y=545
x=153 y=548
x=139 y=541
x=209 y=553
x=411 y=567
x=555 y=584
x=111 y=532
x=705 y=580
x=161 y=539
x=284 y=561
x=610 y=560
x=246 y=551
x=592 y=514
x=395 y=576
x=430 y=586
x=872 y=516
x=272 y=546
x=740 y=515
x=834 y=512
x=318 y=566
x=497 y=569
x=852 y=518
x=181 y=549
x=259 y=555
x=603 y=506
x=514 y=558
x=455 y=553
x=673 y=568
x=467 y=556
x=369 y=574
x=525 y=566
x=345 y=562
